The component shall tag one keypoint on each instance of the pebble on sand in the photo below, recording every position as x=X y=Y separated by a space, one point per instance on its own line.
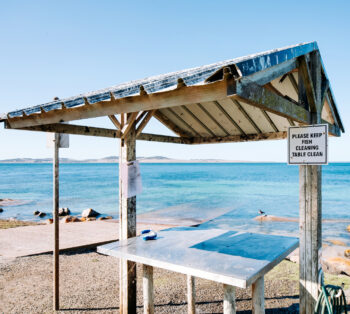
x=105 y=217
x=68 y=219
x=49 y=221
x=347 y=253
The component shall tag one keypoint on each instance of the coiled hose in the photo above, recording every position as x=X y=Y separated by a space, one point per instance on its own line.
x=331 y=298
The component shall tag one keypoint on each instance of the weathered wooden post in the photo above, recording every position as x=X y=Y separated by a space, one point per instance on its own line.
x=56 y=222
x=127 y=226
x=310 y=199
x=191 y=295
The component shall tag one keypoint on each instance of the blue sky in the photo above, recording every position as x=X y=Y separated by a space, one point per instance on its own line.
x=63 y=48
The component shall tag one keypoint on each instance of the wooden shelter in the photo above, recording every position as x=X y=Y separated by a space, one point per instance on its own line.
x=245 y=99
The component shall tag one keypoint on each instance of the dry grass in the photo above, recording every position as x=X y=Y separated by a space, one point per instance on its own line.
x=12 y=223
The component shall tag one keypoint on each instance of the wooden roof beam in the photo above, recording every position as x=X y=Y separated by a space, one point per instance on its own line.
x=71 y=129
x=179 y=96
x=240 y=138
x=259 y=96
x=100 y=132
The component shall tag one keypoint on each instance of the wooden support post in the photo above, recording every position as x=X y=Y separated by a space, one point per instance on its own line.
x=56 y=280
x=229 y=299
x=148 y=294
x=310 y=205
x=127 y=228
x=310 y=235
x=258 y=297
x=191 y=294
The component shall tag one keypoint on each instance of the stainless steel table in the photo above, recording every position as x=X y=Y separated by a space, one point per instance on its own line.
x=236 y=259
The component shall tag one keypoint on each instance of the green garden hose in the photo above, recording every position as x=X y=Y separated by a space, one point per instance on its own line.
x=331 y=298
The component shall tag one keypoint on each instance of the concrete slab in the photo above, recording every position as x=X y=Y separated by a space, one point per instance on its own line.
x=30 y=240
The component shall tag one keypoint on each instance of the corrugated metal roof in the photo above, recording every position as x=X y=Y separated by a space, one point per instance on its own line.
x=247 y=65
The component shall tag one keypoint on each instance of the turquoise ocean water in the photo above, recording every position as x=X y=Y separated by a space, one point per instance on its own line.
x=239 y=188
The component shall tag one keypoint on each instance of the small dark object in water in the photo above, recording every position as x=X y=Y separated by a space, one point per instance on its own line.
x=36 y=213
x=1 y=210
x=41 y=214
x=261 y=212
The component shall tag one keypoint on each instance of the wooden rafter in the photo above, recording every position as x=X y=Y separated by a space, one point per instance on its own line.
x=217 y=104
x=294 y=82
x=169 y=124
x=184 y=122
x=308 y=84
x=115 y=121
x=198 y=120
x=267 y=117
x=140 y=117
x=212 y=118
x=122 y=120
x=144 y=121
x=246 y=115
x=324 y=91
x=129 y=124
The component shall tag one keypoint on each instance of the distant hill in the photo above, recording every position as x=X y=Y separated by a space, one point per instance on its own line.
x=113 y=159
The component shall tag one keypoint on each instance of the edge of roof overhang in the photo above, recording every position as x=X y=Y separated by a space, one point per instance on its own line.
x=246 y=66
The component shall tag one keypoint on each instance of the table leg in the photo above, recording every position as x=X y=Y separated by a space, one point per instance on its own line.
x=258 y=297
x=191 y=294
x=229 y=299
x=148 y=295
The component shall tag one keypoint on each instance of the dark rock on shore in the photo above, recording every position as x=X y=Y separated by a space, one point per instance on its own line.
x=39 y=214
x=89 y=212
x=64 y=211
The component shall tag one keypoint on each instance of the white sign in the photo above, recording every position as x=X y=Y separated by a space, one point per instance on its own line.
x=64 y=140
x=131 y=179
x=308 y=145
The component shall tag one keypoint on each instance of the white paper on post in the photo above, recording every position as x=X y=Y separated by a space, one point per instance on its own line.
x=131 y=179
x=64 y=140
